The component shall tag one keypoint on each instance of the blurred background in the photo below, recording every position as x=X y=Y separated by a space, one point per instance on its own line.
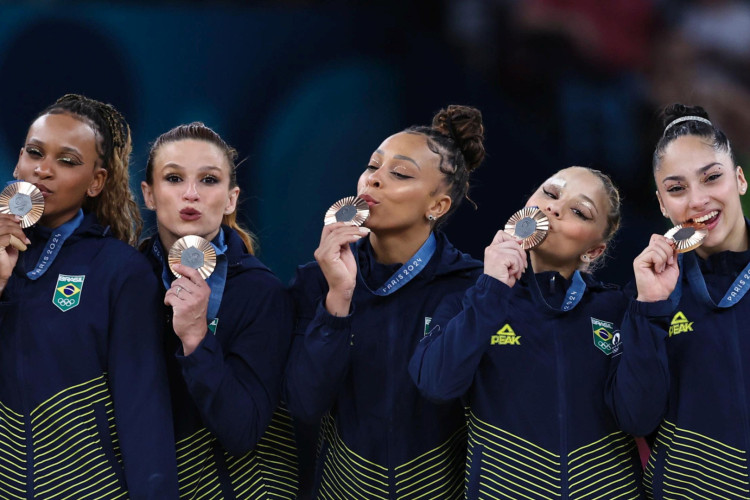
x=306 y=90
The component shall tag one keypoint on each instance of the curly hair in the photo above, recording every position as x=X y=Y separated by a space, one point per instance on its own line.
x=115 y=206
x=457 y=136
x=200 y=132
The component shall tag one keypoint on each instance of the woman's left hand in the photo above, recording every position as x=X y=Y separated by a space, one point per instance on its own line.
x=188 y=297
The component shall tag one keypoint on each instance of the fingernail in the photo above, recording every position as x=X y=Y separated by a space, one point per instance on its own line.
x=364 y=230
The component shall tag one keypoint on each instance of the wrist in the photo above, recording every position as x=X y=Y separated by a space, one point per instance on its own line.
x=338 y=302
x=190 y=344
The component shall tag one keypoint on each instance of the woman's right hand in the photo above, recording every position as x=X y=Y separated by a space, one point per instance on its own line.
x=12 y=238
x=656 y=270
x=337 y=262
x=505 y=258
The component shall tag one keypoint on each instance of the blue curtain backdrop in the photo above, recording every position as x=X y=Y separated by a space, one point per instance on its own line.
x=304 y=93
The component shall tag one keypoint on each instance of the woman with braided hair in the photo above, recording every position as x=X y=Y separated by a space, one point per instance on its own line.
x=354 y=336
x=83 y=390
x=528 y=350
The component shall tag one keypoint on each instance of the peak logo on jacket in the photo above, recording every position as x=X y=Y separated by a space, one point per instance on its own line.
x=67 y=291
x=680 y=324
x=606 y=338
x=506 y=336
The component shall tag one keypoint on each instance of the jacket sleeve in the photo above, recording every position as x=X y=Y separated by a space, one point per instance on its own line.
x=445 y=361
x=236 y=389
x=320 y=354
x=638 y=385
x=138 y=380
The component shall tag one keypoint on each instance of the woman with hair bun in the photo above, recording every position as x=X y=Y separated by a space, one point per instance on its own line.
x=83 y=388
x=685 y=368
x=529 y=348
x=354 y=336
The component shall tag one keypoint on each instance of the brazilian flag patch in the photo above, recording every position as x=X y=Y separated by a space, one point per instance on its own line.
x=67 y=291
x=604 y=333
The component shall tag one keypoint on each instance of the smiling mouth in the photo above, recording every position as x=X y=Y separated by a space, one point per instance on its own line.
x=705 y=219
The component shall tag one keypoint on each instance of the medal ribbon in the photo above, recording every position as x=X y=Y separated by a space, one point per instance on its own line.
x=54 y=243
x=573 y=295
x=409 y=270
x=218 y=278
x=216 y=282
x=733 y=295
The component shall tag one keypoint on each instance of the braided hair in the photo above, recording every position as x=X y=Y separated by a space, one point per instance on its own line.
x=114 y=206
x=457 y=136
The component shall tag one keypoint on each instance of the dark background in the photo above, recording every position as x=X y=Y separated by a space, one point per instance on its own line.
x=307 y=90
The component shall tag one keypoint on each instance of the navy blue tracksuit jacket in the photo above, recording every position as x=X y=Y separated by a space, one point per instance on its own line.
x=84 y=402
x=231 y=443
x=534 y=380
x=686 y=370
x=380 y=438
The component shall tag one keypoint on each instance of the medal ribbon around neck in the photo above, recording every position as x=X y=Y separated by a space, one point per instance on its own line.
x=732 y=296
x=573 y=295
x=53 y=246
x=409 y=270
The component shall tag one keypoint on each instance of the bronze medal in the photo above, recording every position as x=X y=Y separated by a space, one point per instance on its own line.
x=529 y=224
x=351 y=210
x=24 y=200
x=687 y=236
x=193 y=251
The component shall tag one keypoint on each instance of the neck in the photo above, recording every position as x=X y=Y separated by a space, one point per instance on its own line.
x=540 y=265
x=397 y=247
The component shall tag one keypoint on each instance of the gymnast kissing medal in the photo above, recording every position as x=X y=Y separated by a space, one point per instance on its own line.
x=24 y=200
x=529 y=224
x=352 y=210
x=687 y=236
x=193 y=251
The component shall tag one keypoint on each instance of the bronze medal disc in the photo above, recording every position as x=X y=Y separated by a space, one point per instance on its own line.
x=193 y=251
x=24 y=200
x=351 y=210
x=529 y=224
x=687 y=236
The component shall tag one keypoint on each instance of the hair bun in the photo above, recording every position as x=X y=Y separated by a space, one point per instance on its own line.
x=677 y=110
x=464 y=125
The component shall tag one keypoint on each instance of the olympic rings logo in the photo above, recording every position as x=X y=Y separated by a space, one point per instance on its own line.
x=66 y=302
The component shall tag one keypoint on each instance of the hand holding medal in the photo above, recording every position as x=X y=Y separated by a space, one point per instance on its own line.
x=334 y=255
x=25 y=201
x=505 y=258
